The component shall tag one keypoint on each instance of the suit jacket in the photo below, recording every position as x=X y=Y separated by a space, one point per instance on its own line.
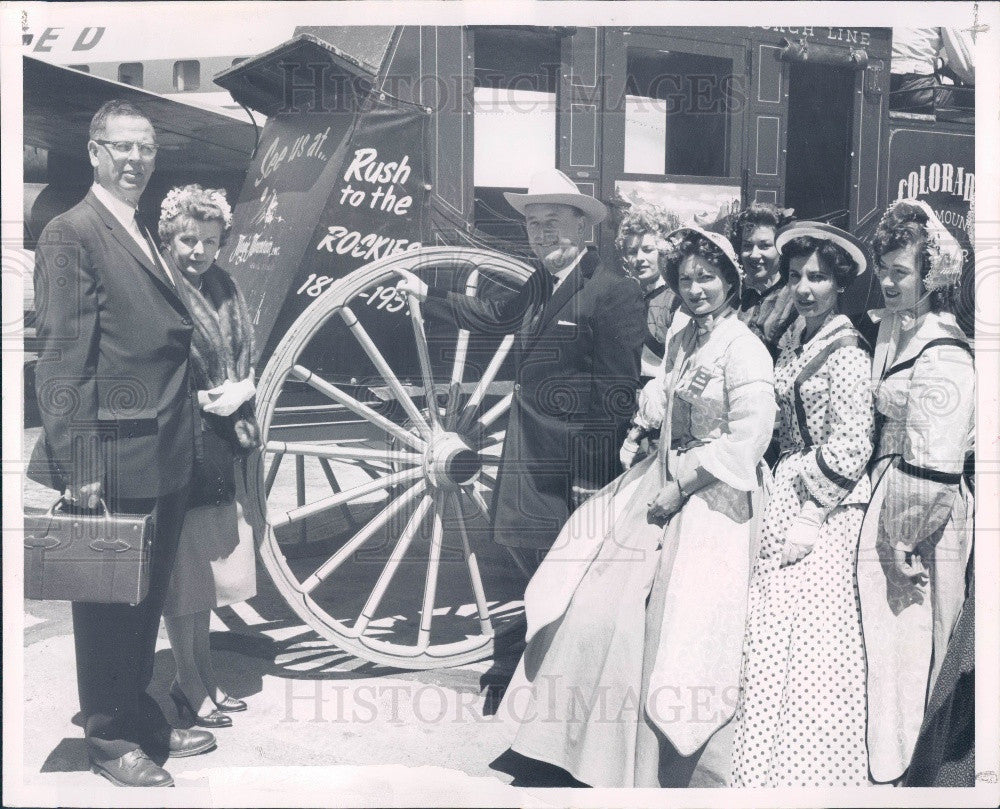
x=112 y=378
x=576 y=357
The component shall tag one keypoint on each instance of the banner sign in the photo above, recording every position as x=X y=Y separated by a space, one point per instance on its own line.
x=286 y=186
x=939 y=168
x=325 y=194
x=375 y=207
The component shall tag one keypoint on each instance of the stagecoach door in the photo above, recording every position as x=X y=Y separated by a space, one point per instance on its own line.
x=819 y=144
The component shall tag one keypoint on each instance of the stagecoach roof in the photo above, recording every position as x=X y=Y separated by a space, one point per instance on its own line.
x=260 y=82
x=59 y=103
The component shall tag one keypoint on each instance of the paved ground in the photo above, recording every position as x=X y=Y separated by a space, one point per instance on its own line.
x=322 y=726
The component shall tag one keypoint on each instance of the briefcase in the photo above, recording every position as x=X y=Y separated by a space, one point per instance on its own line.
x=94 y=556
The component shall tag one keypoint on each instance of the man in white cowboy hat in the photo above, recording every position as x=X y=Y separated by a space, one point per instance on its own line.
x=580 y=330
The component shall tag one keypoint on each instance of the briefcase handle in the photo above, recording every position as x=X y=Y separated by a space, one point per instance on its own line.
x=102 y=507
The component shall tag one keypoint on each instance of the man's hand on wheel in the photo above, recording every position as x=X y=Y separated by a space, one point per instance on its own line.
x=412 y=285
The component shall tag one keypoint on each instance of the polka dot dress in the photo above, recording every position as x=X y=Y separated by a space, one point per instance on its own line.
x=801 y=716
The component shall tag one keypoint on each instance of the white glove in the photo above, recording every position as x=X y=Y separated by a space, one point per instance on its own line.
x=652 y=404
x=802 y=534
x=225 y=399
x=628 y=452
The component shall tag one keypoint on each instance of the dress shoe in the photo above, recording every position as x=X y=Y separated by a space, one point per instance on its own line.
x=212 y=719
x=179 y=743
x=134 y=769
x=230 y=704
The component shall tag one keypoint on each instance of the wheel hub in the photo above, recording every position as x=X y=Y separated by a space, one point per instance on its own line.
x=450 y=463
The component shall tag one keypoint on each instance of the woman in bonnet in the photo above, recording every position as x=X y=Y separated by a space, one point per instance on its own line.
x=917 y=534
x=636 y=615
x=215 y=563
x=801 y=715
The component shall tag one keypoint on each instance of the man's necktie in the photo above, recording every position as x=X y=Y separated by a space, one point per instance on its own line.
x=157 y=258
x=538 y=308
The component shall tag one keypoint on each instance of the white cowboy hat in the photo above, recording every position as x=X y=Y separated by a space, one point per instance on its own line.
x=552 y=186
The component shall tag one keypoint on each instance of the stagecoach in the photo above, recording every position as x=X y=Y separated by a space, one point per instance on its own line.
x=389 y=149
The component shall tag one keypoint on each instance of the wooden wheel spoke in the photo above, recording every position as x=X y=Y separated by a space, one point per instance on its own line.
x=361 y=335
x=495 y=412
x=469 y=411
x=376 y=524
x=387 y=482
x=477 y=498
x=272 y=473
x=420 y=335
x=475 y=578
x=352 y=404
x=336 y=452
x=451 y=410
x=402 y=546
x=461 y=353
x=430 y=582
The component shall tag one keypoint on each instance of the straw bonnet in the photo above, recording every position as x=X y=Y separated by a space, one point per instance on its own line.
x=820 y=230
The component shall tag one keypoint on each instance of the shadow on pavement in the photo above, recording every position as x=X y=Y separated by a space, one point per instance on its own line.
x=70 y=755
x=527 y=772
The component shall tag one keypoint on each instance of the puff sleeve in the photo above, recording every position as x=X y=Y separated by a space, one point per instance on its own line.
x=750 y=411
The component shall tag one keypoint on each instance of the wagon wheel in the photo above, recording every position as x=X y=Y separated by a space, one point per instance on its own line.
x=418 y=477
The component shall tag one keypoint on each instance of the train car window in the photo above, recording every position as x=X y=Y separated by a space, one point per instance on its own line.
x=130 y=73
x=514 y=124
x=677 y=113
x=81 y=68
x=187 y=75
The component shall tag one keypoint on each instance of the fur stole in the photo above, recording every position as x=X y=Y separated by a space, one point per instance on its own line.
x=221 y=344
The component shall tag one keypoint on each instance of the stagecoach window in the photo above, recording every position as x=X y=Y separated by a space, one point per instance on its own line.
x=130 y=73
x=678 y=113
x=81 y=68
x=516 y=76
x=187 y=75
x=239 y=59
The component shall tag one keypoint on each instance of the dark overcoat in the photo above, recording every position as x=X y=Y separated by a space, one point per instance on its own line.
x=576 y=360
x=113 y=388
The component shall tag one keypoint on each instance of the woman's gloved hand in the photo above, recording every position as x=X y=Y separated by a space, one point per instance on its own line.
x=631 y=450
x=802 y=534
x=225 y=399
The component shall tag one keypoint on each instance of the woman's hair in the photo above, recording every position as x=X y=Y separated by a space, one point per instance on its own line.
x=694 y=244
x=757 y=214
x=192 y=202
x=904 y=225
x=833 y=257
x=642 y=219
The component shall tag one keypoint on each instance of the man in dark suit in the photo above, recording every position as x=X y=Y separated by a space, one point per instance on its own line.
x=117 y=411
x=579 y=331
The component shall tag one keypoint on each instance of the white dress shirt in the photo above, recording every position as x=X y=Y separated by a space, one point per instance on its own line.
x=124 y=212
x=559 y=277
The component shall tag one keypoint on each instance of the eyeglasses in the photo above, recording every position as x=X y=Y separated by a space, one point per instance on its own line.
x=123 y=148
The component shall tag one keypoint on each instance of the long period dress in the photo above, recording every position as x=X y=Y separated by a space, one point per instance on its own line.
x=801 y=716
x=634 y=630
x=925 y=399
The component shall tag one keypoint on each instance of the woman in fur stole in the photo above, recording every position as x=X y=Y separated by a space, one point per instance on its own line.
x=215 y=563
